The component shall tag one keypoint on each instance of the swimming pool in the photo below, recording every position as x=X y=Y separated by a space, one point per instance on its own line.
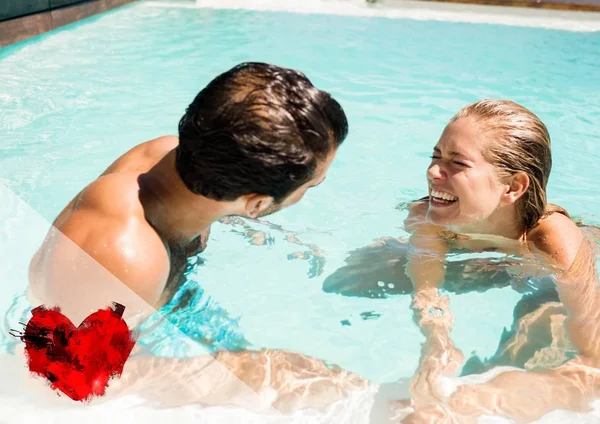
x=73 y=100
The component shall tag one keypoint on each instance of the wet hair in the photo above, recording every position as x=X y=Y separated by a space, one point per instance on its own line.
x=516 y=141
x=257 y=129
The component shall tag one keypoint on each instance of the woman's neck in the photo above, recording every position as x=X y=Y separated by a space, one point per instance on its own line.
x=502 y=223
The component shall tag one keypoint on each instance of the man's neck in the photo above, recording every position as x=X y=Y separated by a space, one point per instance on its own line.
x=177 y=214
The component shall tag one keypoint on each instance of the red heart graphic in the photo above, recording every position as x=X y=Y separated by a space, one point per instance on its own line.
x=78 y=361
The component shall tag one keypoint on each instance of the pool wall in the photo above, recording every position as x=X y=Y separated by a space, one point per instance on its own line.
x=22 y=19
x=582 y=5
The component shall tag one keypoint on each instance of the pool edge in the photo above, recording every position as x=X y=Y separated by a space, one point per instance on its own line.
x=23 y=28
x=528 y=4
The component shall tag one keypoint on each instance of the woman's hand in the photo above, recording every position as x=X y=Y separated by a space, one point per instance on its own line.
x=436 y=414
x=439 y=358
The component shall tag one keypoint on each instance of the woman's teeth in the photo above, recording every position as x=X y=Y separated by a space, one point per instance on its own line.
x=442 y=196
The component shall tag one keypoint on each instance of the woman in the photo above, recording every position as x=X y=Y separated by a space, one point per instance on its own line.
x=487 y=192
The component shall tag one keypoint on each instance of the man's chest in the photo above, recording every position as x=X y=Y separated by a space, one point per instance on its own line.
x=179 y=255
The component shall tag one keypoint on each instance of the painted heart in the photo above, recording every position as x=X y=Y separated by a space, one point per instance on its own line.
x=78 y=361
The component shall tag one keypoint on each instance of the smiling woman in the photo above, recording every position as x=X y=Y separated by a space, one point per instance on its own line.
x=492 y=154
x=487 y=193
x=493 y=162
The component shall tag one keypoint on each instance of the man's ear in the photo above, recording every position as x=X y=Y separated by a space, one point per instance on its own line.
x=256 y=204
x=517 y=186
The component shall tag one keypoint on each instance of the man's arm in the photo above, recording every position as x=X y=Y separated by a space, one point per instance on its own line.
x=256 y=380
x=95 y=259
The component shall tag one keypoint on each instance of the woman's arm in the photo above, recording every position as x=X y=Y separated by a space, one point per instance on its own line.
x=517 y=395
x=426 y=260
x=425 y=267
x=562 y=246
x=527 y=396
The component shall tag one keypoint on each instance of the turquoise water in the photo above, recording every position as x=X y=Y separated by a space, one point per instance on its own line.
x=73 y=100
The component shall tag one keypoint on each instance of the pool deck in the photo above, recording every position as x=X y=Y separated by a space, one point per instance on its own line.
x=20 y=19
x=576 y=5
x=433 y=10
x=19 y=23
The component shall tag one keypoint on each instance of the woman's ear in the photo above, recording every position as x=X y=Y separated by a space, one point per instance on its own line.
x=517 y=186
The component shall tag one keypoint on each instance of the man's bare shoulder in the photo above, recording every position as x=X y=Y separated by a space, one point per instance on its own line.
x=115 y=195
x=108 y=224
x=143 y=156
x=156 y=147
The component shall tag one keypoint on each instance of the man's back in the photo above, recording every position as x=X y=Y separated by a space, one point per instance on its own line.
x=252 y=142
x=106 y=221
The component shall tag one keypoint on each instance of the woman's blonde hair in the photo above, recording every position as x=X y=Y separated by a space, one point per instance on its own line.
x=516 y=141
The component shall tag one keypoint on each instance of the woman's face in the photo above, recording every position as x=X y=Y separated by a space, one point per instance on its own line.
x=463 y=187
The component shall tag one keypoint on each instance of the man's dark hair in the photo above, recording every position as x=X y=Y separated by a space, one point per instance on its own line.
x=257 y=128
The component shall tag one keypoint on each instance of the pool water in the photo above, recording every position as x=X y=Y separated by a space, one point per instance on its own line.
x=73 y=100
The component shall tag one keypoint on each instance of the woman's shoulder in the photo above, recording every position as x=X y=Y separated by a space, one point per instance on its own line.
x=417 y=213
x=557 y=236
x=419 y=207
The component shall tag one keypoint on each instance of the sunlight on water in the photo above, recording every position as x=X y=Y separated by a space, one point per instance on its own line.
x=74 y=100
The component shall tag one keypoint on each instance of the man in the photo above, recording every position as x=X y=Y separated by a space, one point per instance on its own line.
x=251 y=143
